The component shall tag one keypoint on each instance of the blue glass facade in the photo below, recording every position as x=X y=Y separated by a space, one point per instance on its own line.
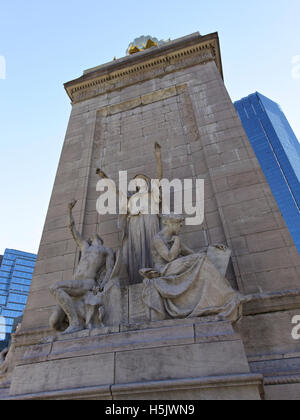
x=15 y=278
x=278 y=152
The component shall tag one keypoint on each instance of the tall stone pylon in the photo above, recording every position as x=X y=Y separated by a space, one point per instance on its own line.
x=172 y=94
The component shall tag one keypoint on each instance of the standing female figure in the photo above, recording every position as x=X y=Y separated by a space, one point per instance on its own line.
x=139 y=226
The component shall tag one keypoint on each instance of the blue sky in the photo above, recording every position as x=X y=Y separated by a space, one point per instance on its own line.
x=47 y=43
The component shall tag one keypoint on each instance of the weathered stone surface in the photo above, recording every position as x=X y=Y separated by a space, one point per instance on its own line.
x=269 y=333
x=180 y=362
x=173 y=95
x=142 y=361
x=184 y=284
x=63 y=374
x=283 y=392
x=229 y=387
x=138 y=312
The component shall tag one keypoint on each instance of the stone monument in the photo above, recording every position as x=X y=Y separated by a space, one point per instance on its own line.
x=149 y=307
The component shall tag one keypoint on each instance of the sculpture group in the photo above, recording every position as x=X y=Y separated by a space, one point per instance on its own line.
x=177 y=282
x=81 y=299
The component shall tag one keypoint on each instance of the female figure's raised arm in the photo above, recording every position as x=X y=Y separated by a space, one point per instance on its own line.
x=76 y=235
x=158 y=161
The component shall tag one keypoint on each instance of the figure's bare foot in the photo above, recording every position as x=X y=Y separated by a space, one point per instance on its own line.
x=73 y=329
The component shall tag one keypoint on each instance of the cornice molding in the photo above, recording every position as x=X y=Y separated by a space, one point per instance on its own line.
x=282 y=380
x=177 y=55
x=261 y=303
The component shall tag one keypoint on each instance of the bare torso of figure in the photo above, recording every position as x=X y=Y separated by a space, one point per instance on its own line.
x=93 y=259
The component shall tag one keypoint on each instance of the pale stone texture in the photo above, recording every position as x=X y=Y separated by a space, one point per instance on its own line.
x=173 y=95
x=141 y=362
x=184 y=284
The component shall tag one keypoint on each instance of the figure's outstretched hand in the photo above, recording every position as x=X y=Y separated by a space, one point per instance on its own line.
x=96 y=290
x=72 y=204
x=157 y=148
x=172 y=241
x=222 y=247
x=101 y=173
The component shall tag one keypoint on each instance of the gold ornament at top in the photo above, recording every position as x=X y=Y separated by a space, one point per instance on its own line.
x=133 y=49
x=144 y=43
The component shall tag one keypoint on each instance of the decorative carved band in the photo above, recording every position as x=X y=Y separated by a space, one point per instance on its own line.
x=147 y=99
x=282 y=380
x=81 y=90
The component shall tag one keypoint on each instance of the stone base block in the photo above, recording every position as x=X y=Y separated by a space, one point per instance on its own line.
x=230 y=387
x=4 y=392
x=182 y=359
x=283 y=392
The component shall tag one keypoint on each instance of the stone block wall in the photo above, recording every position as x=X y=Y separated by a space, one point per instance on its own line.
x=174 y=95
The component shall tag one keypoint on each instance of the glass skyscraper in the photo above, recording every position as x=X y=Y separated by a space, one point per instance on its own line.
x=278 y=152
x=16 y=272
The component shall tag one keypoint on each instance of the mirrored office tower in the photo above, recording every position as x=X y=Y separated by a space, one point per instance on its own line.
x=278 y=152
x=15 y=278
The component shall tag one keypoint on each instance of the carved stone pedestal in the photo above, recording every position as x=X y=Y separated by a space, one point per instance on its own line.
x=183 y=359
x=4 y=390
